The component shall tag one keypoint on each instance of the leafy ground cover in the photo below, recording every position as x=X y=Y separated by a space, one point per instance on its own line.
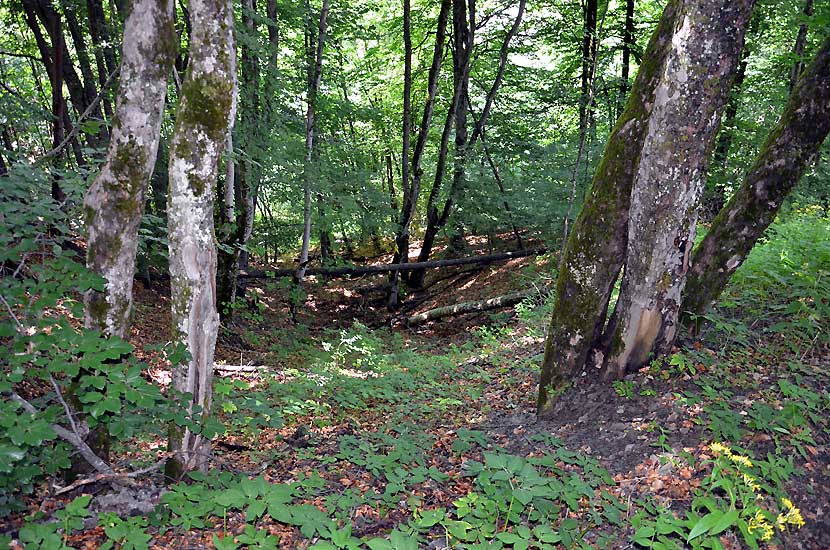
x=354 y=435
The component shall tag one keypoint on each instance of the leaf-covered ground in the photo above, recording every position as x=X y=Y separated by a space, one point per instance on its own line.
x=343 y=433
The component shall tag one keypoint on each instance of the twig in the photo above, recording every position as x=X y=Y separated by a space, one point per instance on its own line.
x=66 y=408
x=11 y=312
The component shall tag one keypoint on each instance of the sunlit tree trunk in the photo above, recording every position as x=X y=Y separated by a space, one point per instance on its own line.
x=595 y=250
x=788 y=151
x=114 y=203
x=206 y=109
x=689 y=102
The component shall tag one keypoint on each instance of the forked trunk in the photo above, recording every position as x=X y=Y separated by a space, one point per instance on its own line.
x=595 y=250
x=689 y=101
x=114 y=203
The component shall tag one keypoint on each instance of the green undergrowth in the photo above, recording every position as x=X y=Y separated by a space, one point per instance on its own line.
x=404 y=422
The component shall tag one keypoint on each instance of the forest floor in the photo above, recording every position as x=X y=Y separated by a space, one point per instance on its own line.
x=342 y=431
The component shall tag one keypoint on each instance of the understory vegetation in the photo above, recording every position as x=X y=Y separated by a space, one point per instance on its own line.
x=358 y=437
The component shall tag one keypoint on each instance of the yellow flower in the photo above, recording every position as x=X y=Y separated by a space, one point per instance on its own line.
x=792 y=516
x=759 y=522
x=719 y=449
x=751 y=482
x=740 y=459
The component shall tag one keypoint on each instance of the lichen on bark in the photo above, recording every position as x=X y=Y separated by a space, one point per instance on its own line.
x=206 y=109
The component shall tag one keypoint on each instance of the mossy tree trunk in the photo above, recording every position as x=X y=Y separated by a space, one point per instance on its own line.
x=206 y=109
x=114 y=203
x=688 y=104
x=595 y=250
x=789 y=149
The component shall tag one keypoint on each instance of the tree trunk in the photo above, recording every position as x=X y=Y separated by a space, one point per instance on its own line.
x=689 y=102
x=461 y=308
x=402 y=238
x=801 y=44
x=243 y=180
x=114 y=203
x=595 y=250
x=589 y=49
x=412 y=186
x=628 y=44
x=788 y=151
x=464 y=40
x=206 y=109
x=315 y=71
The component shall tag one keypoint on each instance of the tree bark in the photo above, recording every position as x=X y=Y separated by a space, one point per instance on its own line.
x=315 y=72
x=801 y=44
x=689 y=102
x=206 y=109
x=114 y=203
x=786 y=154
x=595 y=250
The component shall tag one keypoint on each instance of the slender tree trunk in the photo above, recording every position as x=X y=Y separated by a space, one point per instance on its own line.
x=788 y=151
x=801 y=44
x=595 y=250
x=89 y=90
x=242 y=181
x=99 y=30
x=314 y=74
x=412 y=185
x=628 y=44
x=463 y=146
x=402 y=240
x=114 y=203
x=589 y=49
x=689 y=102
x=206 y=111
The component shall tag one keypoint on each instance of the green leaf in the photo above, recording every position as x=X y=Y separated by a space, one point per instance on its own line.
x=704 y=524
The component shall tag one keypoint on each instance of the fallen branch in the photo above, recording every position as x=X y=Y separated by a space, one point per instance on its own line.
x=238 y=368
x=469 y=307
x=72 y=438
x=362 y=270
x=114 y=476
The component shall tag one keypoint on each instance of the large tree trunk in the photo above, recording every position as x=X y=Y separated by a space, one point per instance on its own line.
x=206 y=109
x=789 y=149
x=595 y=250
x=114 y=203
x=689 y=102
x=412 y=186
x=315 y=72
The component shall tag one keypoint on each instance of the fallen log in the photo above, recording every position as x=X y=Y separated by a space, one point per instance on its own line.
x=469 y=307
x=365 y=270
